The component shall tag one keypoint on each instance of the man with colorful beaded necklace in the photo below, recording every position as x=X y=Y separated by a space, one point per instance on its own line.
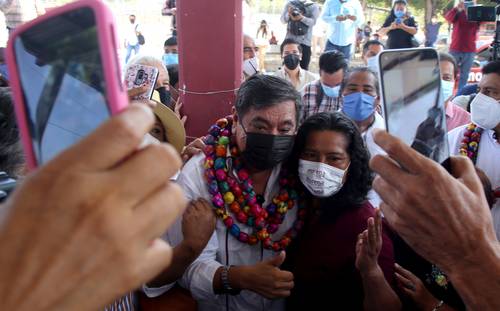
x=480 y=140
x=254 y=199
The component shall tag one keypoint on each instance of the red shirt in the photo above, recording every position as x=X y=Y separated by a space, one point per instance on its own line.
x=463 y=37
x=323 y=263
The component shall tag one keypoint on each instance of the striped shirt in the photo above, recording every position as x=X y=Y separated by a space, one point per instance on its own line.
x=315 y=101
x=125 y=303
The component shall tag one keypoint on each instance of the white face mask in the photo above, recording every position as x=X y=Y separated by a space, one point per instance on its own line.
x=371 y=63
x=250 y=66
x=320 y=179
x=485 y=111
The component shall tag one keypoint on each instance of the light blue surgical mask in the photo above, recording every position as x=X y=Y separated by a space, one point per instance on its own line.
x=371 y=62
x=399 y=13
x=358 y=106
x=447 y=88
x=331 y=91
x=170 y=59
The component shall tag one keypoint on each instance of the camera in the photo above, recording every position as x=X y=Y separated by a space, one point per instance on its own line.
x=141 y=77
x=479 y=13
x=295 y=12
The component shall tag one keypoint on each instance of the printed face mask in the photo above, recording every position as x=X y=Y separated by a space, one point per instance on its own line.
x=322 y=180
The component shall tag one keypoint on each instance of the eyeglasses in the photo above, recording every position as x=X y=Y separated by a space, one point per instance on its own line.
x=248 y=49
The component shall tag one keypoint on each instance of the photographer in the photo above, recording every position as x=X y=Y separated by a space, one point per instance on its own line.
x=301 y=16
x=463 y=40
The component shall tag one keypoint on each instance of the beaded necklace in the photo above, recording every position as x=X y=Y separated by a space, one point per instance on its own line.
x=470 y=143
x=234 y=196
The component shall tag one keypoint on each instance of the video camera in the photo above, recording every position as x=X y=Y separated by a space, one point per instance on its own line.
x=479 y=13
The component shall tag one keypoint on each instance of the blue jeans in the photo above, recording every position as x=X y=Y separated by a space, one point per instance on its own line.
x=131 y=48
x=464 y=61
x=346 y=50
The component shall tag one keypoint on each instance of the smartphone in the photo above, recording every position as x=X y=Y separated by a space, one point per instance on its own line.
x=65 y=77
x=140 y=75
x=414 y=109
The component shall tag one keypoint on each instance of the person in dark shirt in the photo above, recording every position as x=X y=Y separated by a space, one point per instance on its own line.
x=400 y=27
x=432 y=31
x=334 y=263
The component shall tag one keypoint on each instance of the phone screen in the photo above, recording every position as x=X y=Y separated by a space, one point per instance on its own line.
x=62 y=81
x=413 y=105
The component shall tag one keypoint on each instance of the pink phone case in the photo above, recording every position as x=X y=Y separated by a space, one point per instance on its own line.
x=115 y=92
x=134 y=79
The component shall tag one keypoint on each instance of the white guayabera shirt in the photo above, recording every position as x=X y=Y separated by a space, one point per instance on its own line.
x=199 y=276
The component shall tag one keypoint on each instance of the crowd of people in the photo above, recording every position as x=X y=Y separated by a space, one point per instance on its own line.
x=297 y=200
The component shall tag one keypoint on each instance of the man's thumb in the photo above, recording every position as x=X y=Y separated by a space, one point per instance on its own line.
x=277 y=260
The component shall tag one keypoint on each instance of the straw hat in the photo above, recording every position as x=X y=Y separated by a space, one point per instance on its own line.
x=174 y=129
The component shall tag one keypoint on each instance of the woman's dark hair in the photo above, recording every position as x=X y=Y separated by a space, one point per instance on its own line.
x=11 y=153
x=263 y=28
x=359 y=176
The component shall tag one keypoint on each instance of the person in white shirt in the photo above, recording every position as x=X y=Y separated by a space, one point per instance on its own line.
x=291 y=52
x=131 y=40
x=360 y=92
x=239 y=268
x=344 y=18
x=480 y=140
x=371 y=49
x=18 y=12
x=250 y=60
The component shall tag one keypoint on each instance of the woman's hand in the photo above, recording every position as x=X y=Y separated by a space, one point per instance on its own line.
x=369 y=245
x=413 y=287
x=177 y=110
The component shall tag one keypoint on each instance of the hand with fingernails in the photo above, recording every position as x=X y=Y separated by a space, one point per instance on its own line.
x=414 y=288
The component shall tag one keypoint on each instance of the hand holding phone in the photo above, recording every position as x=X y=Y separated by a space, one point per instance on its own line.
x=65 y=77
x=141 y=77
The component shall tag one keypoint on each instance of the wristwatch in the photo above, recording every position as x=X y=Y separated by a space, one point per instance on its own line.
x=226 y=286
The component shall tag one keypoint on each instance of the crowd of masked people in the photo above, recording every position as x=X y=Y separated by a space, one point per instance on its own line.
x=298 y=200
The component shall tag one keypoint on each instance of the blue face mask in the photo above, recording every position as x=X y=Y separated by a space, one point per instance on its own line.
x=170 y=59
x=399 y=13
x=331 y=91
x=447 y=88
x=358 y=106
